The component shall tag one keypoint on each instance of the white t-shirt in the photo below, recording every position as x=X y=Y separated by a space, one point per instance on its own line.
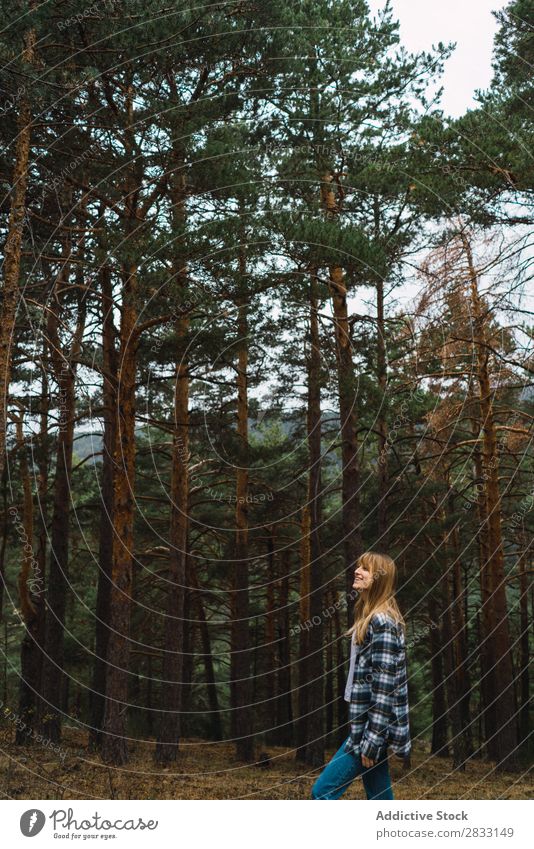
x=353 y=654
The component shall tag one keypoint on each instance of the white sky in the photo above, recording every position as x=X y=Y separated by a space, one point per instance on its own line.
x=424 y=23
x=469 y=23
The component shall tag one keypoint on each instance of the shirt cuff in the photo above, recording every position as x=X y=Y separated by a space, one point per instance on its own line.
x=370 y=750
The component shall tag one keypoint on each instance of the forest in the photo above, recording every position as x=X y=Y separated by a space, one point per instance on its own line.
x=264 y=307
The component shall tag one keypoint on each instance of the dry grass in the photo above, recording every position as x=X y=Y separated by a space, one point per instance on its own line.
x=211 y=771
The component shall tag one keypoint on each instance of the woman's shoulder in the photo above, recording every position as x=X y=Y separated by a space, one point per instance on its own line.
x=382 y=618
x=382 y=621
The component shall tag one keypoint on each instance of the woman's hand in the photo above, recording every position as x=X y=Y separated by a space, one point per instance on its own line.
x=367 y=762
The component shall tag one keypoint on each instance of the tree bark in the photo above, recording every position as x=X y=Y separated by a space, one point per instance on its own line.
x=524 y=653
x=3 y=481
x=169 y=730
x=461 y=665
x=439 y=745
x=29 y=603
x=105 y=549
x=453 y=697
x=54 y=679
x=503 y=744
x=381 y=417
x=114 y=743
x=302 y=726
x=268 y=682
x=42 y=496
x=341 y=675
x=169 y=724
x=284 y=708
x=240 y=633
x=13 y=247
x=330 y=680
x=352 y=538
x=486 y=653
x=211 y=684
x=314 y=750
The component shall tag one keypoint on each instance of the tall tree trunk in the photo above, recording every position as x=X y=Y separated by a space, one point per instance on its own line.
x=439 y=744
x=302 y=732
x=54 y=679
x=211 y=685
x=3 y=481
x=13 y=246
x=453 y=698
x=330 y=680
x=284 y=709
x=461 y=649
x=341 y=674
x=189 y=647
x=504 y=748
x=381 y=417
x=29 y=681
x=268 y=682
x=148 y=697
x=190 y=629
x=488 y=716
x=352 y=537
x=314 y=752
x=240 y=651
x=114 y=743
x=42 y=500
x=105 y=549
x=524 y=654
x=169 y=725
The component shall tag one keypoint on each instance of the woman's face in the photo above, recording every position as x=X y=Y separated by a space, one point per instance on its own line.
x=362 y=578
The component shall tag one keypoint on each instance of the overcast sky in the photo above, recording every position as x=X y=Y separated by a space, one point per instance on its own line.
x=423 y=23
x=467 y=22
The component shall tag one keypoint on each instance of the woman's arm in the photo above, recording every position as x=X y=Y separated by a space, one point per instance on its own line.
x=384 y=666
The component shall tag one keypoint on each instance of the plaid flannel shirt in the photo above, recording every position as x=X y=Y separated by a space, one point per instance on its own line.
x=378 y=707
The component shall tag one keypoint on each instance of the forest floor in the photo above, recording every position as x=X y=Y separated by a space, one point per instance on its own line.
x=211 y=771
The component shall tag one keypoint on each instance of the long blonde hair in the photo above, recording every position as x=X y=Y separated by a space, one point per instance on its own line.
x=379 y=597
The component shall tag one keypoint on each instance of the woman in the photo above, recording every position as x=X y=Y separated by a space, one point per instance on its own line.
x=376 y=689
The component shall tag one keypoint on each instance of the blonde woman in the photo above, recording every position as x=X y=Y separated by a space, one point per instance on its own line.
x=376 y=689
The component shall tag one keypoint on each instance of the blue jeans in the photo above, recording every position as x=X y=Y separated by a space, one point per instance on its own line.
x=341 y=771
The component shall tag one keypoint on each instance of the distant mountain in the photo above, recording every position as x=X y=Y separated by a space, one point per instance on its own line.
x=89 y=444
